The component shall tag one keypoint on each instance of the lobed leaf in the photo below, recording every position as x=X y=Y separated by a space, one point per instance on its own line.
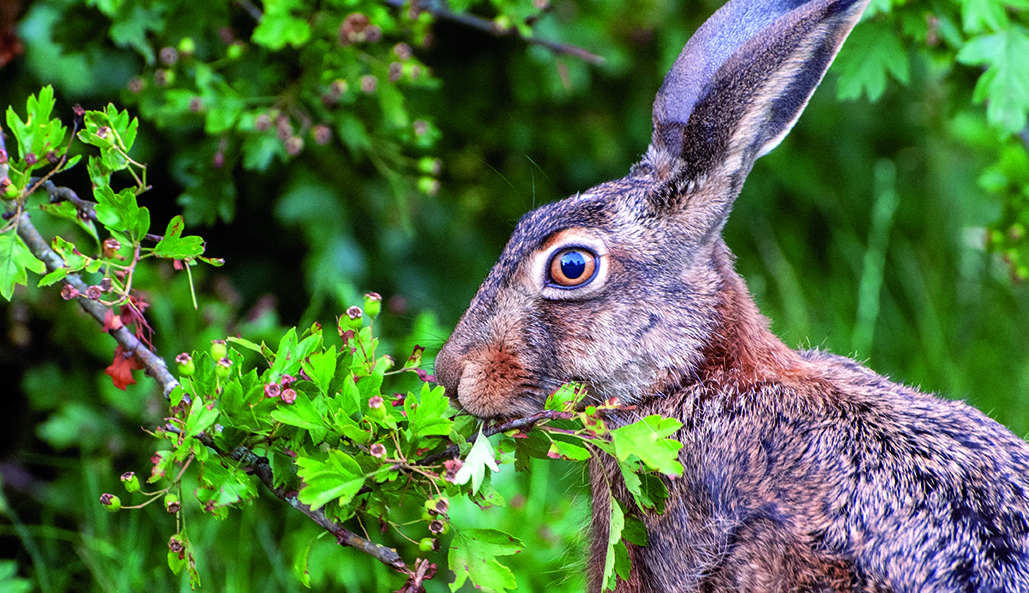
x=473 y=555
x=15 y=261
x=331 y=476
x=647 y=440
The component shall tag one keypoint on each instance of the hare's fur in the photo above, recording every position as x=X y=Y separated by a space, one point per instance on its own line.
x=804 y=471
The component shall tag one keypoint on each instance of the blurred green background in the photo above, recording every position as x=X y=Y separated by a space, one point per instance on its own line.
x=890 y=229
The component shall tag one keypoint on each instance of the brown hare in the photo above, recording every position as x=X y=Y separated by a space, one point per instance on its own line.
x=804 y=471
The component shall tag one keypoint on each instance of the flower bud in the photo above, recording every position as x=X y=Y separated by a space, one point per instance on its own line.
x=289 y=395
x=272 y=389
x=169 y=55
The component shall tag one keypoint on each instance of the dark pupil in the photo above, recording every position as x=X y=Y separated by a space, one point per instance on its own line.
x=573 y=264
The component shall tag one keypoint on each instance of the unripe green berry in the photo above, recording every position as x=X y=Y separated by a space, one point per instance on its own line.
x=171 y=503
x=110 y=502
x=11 y=191
x=130 y=481
x=186 y=365
x=372 y=304
x=428 y=185
x=353 y=319
x=377 y=407
x=222 y=368
x=187 y=46
x=427 y=544
x=430 y=166
x=219 y=349
x=235 y=51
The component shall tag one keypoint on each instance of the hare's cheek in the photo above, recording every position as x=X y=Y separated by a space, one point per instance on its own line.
x=491 y=384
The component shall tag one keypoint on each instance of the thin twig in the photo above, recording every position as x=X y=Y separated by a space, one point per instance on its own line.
x=440 y=10
x=85 y=208
x=261 y=468
x=515 y=424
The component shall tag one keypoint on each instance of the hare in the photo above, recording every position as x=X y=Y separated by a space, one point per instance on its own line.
x=804 y=471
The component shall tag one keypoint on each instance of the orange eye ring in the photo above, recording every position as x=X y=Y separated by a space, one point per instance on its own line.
x=573 y=267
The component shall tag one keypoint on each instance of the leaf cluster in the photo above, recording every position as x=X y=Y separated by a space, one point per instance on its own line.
x=345 y=451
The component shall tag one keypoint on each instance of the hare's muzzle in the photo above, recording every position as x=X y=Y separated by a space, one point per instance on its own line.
x=484 y=380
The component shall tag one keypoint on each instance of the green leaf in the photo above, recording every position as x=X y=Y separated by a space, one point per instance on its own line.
x=563 y=450
x=614 y=540
x=301 y=413
x=474 y=467
x=200 y=417
x=222 y=486
x=473 y=555
x=37 y=134
x=979 y=16
x=872 y=52
x=68 y=211
x=174 y=245
x=337 y=477
x=56 y=276
x=15 y=260
x=321 y=368
x=428 y=417
x=566 y=397
x=279 y=28
x=245 y=343
x=1005 y=83
x=634 y=531
x=646 y=439
x=117 y=212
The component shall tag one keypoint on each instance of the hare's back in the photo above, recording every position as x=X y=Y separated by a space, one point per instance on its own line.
x=933 y=488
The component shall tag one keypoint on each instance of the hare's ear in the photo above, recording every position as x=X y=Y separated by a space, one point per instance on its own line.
x=737 y=88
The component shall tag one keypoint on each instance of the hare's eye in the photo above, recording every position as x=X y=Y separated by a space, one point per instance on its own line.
x=572 y=267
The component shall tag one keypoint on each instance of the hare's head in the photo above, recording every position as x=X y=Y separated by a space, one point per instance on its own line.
x=621 y=287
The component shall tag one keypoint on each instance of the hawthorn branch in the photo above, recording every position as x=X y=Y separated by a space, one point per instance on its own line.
x=438 y=9
x=153 y=364
x=85 y=208
x=259 y=466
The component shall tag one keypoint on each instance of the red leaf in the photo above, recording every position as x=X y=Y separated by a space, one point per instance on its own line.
x=121 y=368
x=111 y=322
